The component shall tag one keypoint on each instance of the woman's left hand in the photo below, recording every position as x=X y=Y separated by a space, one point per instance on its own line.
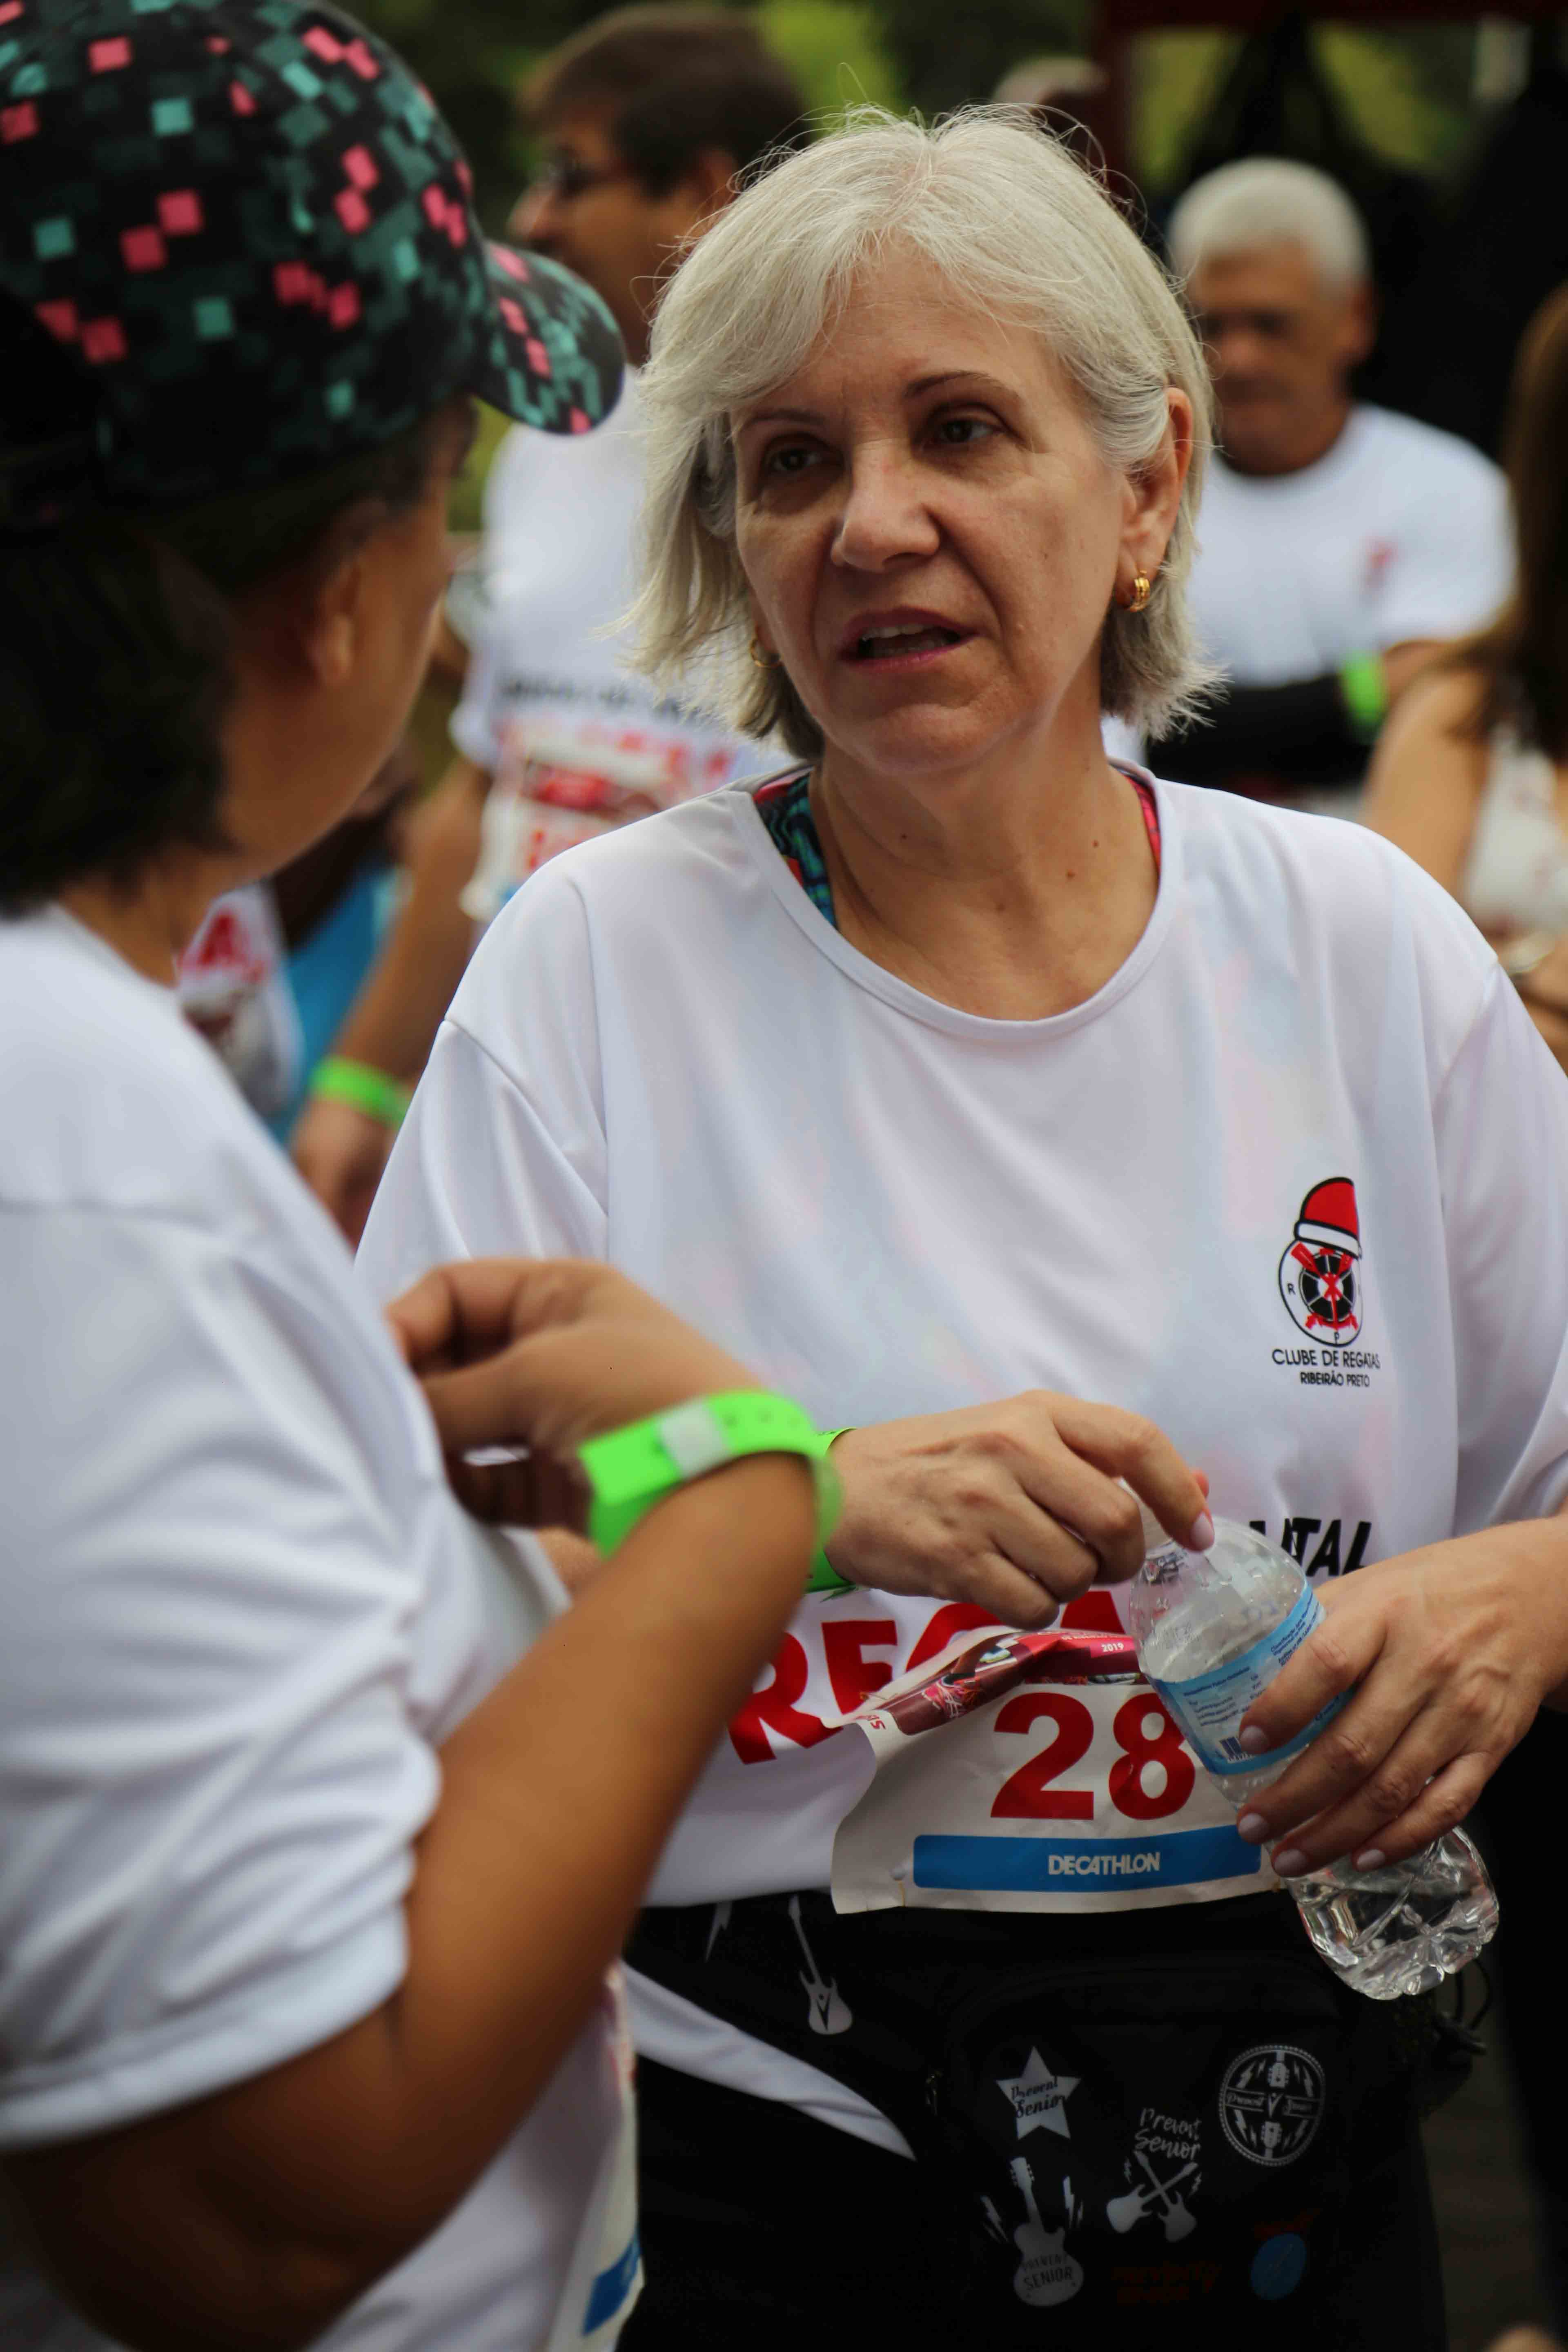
x=1448 y=1652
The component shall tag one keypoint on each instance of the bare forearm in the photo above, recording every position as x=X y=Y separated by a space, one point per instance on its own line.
x=393 y=1022
x=290 y=2195
x=571 y=1798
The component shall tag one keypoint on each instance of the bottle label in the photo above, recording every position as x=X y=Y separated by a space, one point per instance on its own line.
x=1209 y=1707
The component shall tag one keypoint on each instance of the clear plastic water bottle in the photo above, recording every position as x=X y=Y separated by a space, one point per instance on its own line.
x=1213 y=1629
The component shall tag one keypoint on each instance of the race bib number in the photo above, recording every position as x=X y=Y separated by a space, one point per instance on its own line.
x=1034 y=1772
x=555 y=788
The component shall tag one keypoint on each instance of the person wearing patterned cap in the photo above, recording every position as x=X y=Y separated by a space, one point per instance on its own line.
x=647 y=119
x=312 y=1865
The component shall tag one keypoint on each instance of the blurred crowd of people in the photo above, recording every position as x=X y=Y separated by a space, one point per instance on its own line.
x=1344 y=549
x=857 y=519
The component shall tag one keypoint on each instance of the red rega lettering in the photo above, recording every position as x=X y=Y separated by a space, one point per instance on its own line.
x=772 y=1708
x=845 y=1641
x=955 y=1618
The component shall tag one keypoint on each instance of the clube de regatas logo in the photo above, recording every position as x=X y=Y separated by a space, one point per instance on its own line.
x=1320 y=1276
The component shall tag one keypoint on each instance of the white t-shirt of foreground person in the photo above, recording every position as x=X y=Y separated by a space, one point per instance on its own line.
x=223 y=1689
x=664 y=1055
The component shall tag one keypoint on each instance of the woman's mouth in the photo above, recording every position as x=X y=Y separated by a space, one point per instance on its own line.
x=895 y=641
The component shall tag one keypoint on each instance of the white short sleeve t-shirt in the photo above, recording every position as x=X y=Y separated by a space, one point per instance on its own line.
x=241 y=1610
x=1400 y=532
x=663 y=1055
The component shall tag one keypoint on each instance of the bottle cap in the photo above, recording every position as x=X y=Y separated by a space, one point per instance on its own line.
x=1154 y=1536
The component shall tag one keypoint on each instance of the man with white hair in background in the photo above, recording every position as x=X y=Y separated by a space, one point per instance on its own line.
x=1338 y=541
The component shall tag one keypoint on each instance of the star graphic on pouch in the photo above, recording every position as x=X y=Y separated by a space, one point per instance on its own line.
x=1039 y=2097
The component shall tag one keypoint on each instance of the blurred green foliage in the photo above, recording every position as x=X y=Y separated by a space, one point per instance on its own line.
x=1407 y=94
x=1407 y=91
x=838 y=51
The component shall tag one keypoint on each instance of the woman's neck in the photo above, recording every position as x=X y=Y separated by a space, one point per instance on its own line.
x=152 y=920
x=1014 y=891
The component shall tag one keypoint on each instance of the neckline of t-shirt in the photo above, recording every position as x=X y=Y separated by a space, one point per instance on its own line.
x=1323 y=473
x=901 y=994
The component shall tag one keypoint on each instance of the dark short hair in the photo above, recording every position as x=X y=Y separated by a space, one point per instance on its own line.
x=676 y=82
x=116 y=633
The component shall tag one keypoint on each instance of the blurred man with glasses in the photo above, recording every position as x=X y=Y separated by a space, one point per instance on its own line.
x=645 y=120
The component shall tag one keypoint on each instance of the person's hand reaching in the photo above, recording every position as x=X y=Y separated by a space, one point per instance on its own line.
x=542 y=1354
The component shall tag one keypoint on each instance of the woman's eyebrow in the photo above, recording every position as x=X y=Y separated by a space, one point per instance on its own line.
x=976 y=376
x=914 y=390
x=780 y=417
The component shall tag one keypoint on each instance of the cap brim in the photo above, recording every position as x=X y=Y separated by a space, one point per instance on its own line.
x=554 y=359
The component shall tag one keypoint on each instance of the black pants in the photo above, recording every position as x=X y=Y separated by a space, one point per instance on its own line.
x=764 y=2229
x=1515 y=1817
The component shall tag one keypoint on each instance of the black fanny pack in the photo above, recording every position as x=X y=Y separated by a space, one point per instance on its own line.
x=1150 y=2109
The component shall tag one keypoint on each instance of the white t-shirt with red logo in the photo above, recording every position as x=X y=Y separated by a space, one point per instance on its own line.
x=1399 y=533
x=1294 y=1183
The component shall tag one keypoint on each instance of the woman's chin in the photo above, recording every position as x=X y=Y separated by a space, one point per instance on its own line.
x=922 y=739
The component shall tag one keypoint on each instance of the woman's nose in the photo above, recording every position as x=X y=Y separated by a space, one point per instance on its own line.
x=884 y=518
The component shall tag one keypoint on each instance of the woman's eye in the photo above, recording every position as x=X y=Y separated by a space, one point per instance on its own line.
x=791 y=458
x=961 y=432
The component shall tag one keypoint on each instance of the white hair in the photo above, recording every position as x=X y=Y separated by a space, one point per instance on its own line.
x=1265 y=201
x=1008 y=221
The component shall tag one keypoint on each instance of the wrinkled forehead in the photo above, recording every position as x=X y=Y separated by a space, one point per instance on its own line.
x=895 y=332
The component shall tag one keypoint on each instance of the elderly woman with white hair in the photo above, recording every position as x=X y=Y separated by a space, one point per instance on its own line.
x=955 y=1064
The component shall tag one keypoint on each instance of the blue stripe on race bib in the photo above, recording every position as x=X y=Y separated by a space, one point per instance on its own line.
x=611 y=2288
x=997 y=1865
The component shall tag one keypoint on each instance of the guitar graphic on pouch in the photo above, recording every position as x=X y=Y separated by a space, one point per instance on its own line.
x=1047 y=2273
x=1124 y=2213
x=830 y=2013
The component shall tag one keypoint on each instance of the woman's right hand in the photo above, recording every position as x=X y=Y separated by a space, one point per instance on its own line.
x=1014 y=1506
x=543 y=1354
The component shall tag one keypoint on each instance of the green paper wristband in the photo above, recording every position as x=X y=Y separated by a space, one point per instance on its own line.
x=1365 y=691
x=337 y=1079
x=630 y=1470
x=824 y=1577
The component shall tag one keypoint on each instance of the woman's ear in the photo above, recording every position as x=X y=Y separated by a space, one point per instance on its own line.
x=331 y=623
x=1154 y=493
x=760 y=641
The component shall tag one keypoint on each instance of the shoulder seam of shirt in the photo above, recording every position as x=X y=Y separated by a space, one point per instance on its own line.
x=240 y=1246
x=1490 y=982
x=120 y=1213
x=450 y=1021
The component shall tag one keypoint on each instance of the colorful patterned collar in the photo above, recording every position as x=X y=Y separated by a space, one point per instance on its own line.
x=784 y=804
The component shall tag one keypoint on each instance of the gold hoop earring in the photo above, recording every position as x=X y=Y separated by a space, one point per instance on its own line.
x=1142 y=589
x=763 y=660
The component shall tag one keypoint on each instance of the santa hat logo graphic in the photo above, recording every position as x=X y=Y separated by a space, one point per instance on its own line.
x=1319 y=1273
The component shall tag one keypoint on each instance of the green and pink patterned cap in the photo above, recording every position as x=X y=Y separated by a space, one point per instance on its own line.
x=248 y=235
